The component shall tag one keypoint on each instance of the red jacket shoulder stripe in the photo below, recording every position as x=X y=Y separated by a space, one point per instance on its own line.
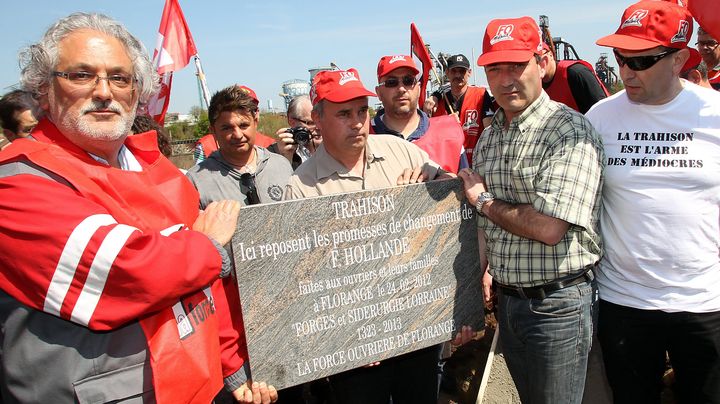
x=69 y=260
x=99 y=271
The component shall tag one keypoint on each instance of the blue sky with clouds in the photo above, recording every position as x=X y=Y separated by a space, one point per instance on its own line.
x=263 y=43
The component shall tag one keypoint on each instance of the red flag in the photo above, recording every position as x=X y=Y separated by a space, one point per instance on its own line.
x=418 y=49
x=173 y=51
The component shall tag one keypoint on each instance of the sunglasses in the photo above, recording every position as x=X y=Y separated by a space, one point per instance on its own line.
x=392 y=82
x=248 y=181
x=638 y=63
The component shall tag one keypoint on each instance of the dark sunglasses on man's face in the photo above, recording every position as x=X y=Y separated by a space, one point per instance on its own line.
x=248 y=181
x=639 y=63
x=392 y=82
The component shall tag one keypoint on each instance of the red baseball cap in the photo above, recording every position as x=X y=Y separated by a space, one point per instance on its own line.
x=648 y=24
x=390 y=63
x=338 y=86
x=693 y=61
x=510 y=40
x=249 y=91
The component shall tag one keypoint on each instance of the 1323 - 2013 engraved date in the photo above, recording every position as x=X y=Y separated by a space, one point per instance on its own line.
x=403 y=285
x=371 y=330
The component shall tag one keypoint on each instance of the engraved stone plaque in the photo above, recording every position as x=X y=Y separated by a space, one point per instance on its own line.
x=333 y=283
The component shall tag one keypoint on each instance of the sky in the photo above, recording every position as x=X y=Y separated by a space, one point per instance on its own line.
x=261 y=44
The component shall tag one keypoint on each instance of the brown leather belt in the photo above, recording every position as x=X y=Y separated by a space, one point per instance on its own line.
x=540 y=292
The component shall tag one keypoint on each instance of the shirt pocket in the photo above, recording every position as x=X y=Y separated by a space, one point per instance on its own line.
x=523 y=183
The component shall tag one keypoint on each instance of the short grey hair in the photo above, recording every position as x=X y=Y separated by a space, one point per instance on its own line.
x=38 y=61
x=293 y=108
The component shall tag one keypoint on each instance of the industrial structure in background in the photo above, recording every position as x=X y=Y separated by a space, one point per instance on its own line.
x=296 y=87
x=565 y=51
x=605 y=72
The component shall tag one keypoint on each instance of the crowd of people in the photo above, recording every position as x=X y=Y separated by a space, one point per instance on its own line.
x=598 y=215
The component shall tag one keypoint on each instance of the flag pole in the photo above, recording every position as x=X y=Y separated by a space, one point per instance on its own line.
x=203 y=83
x=472 y=57
x=416 y=40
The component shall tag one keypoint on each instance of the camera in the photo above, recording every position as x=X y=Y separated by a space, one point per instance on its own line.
x=301 y=135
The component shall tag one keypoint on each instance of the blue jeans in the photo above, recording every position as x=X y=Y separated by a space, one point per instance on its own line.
x=546 y=342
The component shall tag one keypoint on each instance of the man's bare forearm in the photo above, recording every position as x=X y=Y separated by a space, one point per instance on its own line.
x=524 y=221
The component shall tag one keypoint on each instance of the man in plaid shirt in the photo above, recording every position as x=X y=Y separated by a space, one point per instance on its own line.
x=536 y=182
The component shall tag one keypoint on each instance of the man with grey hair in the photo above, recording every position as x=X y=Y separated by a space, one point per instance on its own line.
x=302 y=128
x=115 y=295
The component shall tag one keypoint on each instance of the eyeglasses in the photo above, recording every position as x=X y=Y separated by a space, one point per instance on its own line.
x=392 y=82
x=87 y=79
x=709 y=44
x=639 y=63
x=304 y=122
x=248 y=181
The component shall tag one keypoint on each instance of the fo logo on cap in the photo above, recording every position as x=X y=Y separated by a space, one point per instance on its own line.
x=682 y=34
x=338 y=86
x=650 y=23
x=346 y=77
x=503 y=34
x=635 y=19
x=397 y=58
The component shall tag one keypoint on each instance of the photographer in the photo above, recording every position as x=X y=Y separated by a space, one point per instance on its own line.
x=298 y=142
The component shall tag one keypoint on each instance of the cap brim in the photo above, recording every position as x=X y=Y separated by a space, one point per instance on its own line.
x=347 y=95
x=626 y=42
x=505 y=56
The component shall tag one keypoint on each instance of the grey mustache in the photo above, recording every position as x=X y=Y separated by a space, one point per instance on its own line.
x=101 y=106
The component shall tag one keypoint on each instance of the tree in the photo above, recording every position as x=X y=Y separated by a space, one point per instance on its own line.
x=197 y=112
x=202 y=127
x=180 y=131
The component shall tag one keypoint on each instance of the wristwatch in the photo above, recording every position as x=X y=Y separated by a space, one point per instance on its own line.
x=482 y=198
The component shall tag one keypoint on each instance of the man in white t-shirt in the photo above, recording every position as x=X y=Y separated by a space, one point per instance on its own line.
x=660 y=277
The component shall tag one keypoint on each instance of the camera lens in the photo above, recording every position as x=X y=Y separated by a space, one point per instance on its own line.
x=301 y=135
